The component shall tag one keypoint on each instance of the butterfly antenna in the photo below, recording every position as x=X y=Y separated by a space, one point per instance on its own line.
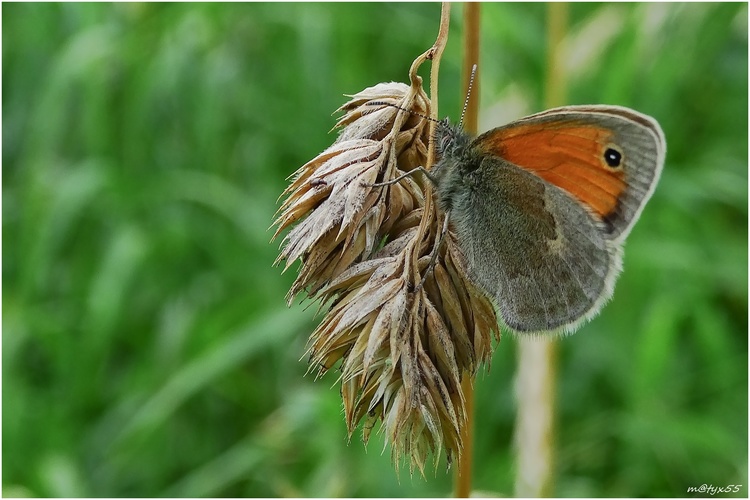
x=383 y=103
x=468 y=94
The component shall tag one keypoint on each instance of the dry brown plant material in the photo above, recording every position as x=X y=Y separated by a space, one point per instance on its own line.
x=403 y=343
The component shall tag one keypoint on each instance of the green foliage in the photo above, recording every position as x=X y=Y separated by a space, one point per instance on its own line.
x=147 y=349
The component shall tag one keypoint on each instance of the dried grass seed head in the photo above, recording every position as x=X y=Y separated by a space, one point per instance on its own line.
x=364 y=250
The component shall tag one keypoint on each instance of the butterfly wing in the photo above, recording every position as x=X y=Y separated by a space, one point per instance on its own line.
x=541 y=254
x=608 y=157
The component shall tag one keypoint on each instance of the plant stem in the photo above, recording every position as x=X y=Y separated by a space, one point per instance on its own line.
x=462 y=477
x=471 y=57
x=536 y=372
x=435 y=54
x=555 y=89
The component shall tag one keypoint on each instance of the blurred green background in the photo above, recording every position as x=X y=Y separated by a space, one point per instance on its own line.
x=147 y=349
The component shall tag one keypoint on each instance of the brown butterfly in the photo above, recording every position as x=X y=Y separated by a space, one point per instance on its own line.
x=541 y=207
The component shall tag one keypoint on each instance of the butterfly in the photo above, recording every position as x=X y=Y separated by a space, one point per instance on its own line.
x=541 y=207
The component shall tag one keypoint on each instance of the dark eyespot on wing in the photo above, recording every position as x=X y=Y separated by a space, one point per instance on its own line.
x=613 y=157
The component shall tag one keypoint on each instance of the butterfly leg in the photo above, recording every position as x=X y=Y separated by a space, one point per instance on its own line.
x=443 y=231
x=404 y=176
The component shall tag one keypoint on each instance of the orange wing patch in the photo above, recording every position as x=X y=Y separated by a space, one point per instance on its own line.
x=569 y=155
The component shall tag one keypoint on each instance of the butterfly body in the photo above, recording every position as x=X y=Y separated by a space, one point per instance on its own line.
x=541 y=207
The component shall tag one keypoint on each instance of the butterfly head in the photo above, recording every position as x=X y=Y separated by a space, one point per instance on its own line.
x=450 y=140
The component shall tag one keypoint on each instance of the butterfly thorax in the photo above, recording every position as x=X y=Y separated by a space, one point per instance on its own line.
x=456 y=161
